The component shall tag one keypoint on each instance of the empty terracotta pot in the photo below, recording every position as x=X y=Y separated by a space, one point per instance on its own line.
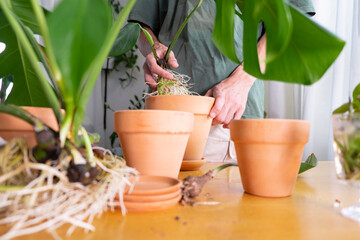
x=269 y=153
x=200 y=106
x=11 y=127
x=154 y=141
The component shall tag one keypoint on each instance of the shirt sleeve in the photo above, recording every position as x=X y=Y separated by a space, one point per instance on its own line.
x=305 y=6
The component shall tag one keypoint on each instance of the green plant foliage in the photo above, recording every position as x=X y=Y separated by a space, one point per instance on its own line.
x=353 y=105
x=309 y=163
x=27 y=90
x=126 y=39
x=298 y=50
x=77 y=32
x=5 y=84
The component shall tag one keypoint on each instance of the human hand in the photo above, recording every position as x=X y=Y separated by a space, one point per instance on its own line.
x=151 y=68
x=230 y=97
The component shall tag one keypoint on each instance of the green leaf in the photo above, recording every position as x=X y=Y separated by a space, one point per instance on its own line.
x=356 y=96
x=5 y=84
x=77 y=32
x=310 y=52
x=26 y=90
x=309 y=163
x=126 y=39
x=298 y=50
x=342 y=109
x=224 y=28
x=24 y=11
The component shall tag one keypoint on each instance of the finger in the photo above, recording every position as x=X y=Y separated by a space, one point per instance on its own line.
x=149 y=79
x=172 y=60
x=218 y=105
x=154 y=68
x=209 y=93
x=238 y=114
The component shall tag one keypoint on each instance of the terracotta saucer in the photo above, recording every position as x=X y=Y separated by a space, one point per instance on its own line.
x=191 y=165
x=155 y=185
x=151 y=206
x=151 y=198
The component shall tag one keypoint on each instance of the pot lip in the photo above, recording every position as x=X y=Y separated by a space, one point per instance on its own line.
x=182 y=96
x=270 y=120
x=151 y=111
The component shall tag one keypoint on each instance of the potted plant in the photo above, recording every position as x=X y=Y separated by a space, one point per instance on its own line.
x=64 y=169
x=269 y=151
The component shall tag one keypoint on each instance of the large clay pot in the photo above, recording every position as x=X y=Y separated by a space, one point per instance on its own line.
x=154 y=141
x=269 y=153
x=11 y=127
x=200 y=106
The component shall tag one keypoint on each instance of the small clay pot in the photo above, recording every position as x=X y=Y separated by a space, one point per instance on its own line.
x=269 y=153
x=154 y=141
x=200 y=106
x=11 y=127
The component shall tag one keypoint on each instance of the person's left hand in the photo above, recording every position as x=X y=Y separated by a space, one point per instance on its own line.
x=230 y=97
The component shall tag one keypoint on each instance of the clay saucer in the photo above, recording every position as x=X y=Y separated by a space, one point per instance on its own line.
x=151 y=198
x=191 y=165
x=151 y=206
x=154 y=185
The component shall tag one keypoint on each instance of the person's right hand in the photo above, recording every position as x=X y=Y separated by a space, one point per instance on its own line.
x=152 y=70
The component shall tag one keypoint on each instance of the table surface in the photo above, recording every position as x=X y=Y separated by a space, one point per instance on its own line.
x=308 y=214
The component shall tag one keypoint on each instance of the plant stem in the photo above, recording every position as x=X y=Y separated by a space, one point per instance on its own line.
x=180 y=30
x=151 y=42
x=41 y=20
x=219 y=168
x=88 y=147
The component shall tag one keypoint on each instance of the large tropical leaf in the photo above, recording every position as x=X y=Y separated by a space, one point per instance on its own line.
x=298 y=50
x=77 y=32
x=126 y=39
x=26 y=90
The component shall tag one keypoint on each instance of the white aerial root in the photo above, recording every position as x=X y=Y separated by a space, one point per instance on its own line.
x=45 y=202
x=179 y=85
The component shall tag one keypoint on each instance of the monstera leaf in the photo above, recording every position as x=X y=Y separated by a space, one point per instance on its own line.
x=26 y=90
x=298 y=50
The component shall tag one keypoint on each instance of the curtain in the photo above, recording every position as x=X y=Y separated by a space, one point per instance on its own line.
x=316 y=103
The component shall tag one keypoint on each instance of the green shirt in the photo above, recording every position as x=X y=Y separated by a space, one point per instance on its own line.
x=197 y=56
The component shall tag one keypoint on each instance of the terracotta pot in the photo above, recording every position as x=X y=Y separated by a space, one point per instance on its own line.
x=200 y=106
x=269 y=153
x=154 y=141
x=11 y=127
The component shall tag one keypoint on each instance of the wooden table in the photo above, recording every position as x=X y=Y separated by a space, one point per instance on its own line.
x=307 y=214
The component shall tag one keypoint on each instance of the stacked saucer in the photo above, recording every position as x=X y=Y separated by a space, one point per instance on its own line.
x=192 y=165
x=152 y=193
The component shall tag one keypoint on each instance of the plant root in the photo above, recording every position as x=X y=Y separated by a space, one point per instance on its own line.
x=39 y=196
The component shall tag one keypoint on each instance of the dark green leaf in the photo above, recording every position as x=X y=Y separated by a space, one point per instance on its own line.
x=224 y=29
x=309 y=163
x=126 y=39
x=5 y=84
x=27 y=90
x=298 y=50
x=77 y=32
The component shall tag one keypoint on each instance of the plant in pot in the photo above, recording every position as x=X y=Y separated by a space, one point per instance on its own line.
x=174 y=94
x=298 y=51
x=64 y=178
